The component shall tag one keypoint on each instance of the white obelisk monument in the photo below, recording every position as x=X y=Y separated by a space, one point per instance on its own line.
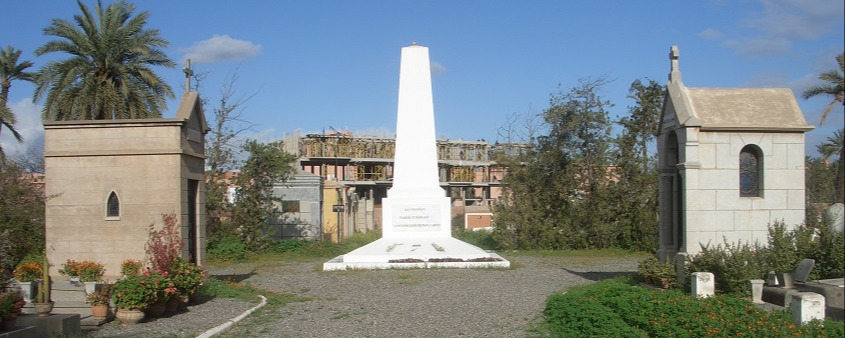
x=416 y=214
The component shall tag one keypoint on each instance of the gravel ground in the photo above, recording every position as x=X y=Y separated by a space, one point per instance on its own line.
x=390 y=303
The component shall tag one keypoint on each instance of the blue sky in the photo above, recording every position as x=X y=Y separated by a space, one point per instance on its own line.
x=317 y=65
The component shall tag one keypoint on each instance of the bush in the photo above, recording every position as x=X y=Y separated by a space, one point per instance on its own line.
x=732 y=265
x=671 y=313
x=227 y=249
x=288 y=245
x=481 y=238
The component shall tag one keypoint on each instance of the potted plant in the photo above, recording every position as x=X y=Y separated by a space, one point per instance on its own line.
x=43 y=303
x=27 y=273
x=657 y=273
x=131 y=295
x=130 y=267
x=10 y=306
x=187 y=278
x=99 y=301
x=86 y=271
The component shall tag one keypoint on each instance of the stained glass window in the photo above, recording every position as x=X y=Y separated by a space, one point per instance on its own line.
x=750 y=172
x=113 y=206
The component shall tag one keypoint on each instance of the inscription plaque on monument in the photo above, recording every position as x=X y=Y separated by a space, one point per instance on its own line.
x=416 y=217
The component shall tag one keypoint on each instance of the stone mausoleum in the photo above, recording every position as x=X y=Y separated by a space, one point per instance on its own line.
x=731 y=164
x=107 y=180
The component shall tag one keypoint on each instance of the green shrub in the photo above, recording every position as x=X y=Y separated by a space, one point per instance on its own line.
x=606 y=307
x=829 y=255
x=288 y=245
x=732 y=266
x=481 y=238
x=227 y=249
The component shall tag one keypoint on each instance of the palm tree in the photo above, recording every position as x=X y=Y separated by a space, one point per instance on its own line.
x=107 y=75
x=10 y=70
x=830 y=147
x=835 y=88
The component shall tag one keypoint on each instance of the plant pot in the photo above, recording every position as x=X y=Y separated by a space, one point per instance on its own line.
x=665 y=283
x=90 y=287
x=173 y=304
x=756 y=291
x=75 y=281
x=9 y=322
x=100 y=311
x=43 y=309
x=27 y=290
x=156 y=309
x=129 y=317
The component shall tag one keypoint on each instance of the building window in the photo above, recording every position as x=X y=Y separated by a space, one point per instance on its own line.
x=750 y=172
x=113 y=206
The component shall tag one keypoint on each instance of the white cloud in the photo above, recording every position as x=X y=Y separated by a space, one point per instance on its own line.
x=760 y=46
x=28 y=124
x=220 y=48
x=437 y=68
x=779 y=23
x=710 y=34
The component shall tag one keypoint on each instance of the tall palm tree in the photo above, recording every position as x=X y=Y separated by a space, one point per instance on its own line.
x=107 y=75
x=10 y=70
x=836 y=88
x=833 y=145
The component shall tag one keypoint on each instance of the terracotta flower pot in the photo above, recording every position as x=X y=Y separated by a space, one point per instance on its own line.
x=100 y=311
x=129 y=317
x=173 y=304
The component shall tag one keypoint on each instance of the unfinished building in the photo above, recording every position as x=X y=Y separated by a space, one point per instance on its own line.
x=357 y=171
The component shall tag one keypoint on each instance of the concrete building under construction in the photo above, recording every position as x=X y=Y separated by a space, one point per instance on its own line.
x=356 y=172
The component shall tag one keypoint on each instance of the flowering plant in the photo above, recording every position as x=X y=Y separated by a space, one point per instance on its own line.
x=87 y=271
x=186 y=276
x=12 y=302
x=132 y=293
x=28 y=272
x=130 y=267
x=101 y=296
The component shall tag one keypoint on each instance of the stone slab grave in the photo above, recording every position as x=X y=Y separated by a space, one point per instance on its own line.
x=416 y=214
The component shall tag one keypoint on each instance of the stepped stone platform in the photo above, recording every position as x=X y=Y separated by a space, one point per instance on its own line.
x=69 y=298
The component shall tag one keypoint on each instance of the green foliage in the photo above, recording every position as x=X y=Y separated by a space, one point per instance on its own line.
x=133 y=293
x=579 y=188
x=267 y=165
x=21 y=216
x=481 y=238
x=624 y=310
x=227 y=249
x=288 y=245
x=732 y=265
x=652 y=270
x=108 y=58
x=186 y=277
x=218 y=288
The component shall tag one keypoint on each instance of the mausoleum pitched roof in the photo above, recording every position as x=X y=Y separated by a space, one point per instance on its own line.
x=746 y=109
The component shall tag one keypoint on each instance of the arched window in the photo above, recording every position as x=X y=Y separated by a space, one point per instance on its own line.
x=113 y=205
x=750 y=171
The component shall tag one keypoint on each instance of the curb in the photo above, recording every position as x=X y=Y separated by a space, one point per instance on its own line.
x=222 y=327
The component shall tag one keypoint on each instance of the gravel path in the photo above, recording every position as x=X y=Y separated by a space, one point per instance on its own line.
x=390 y=303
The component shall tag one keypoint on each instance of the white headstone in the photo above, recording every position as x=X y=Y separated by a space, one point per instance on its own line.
x=703 y=284
x=416 y=214
x=807 y=306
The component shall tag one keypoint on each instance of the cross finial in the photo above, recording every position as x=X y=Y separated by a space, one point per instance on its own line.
x=675 y=72
x=188 y=73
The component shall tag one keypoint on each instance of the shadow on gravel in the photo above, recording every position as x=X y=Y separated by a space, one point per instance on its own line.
x=235 y=278
x=600 y=275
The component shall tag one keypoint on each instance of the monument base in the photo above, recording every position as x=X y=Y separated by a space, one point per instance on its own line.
x=416 y=253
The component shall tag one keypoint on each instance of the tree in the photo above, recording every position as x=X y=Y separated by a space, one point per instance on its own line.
x=832 y=146
x=267 y=165
x=21 y=216
x=637 y=187
x=835 y=88
x=10 y=69
x=108 y=74
x=221 y=151
x=556 y=193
